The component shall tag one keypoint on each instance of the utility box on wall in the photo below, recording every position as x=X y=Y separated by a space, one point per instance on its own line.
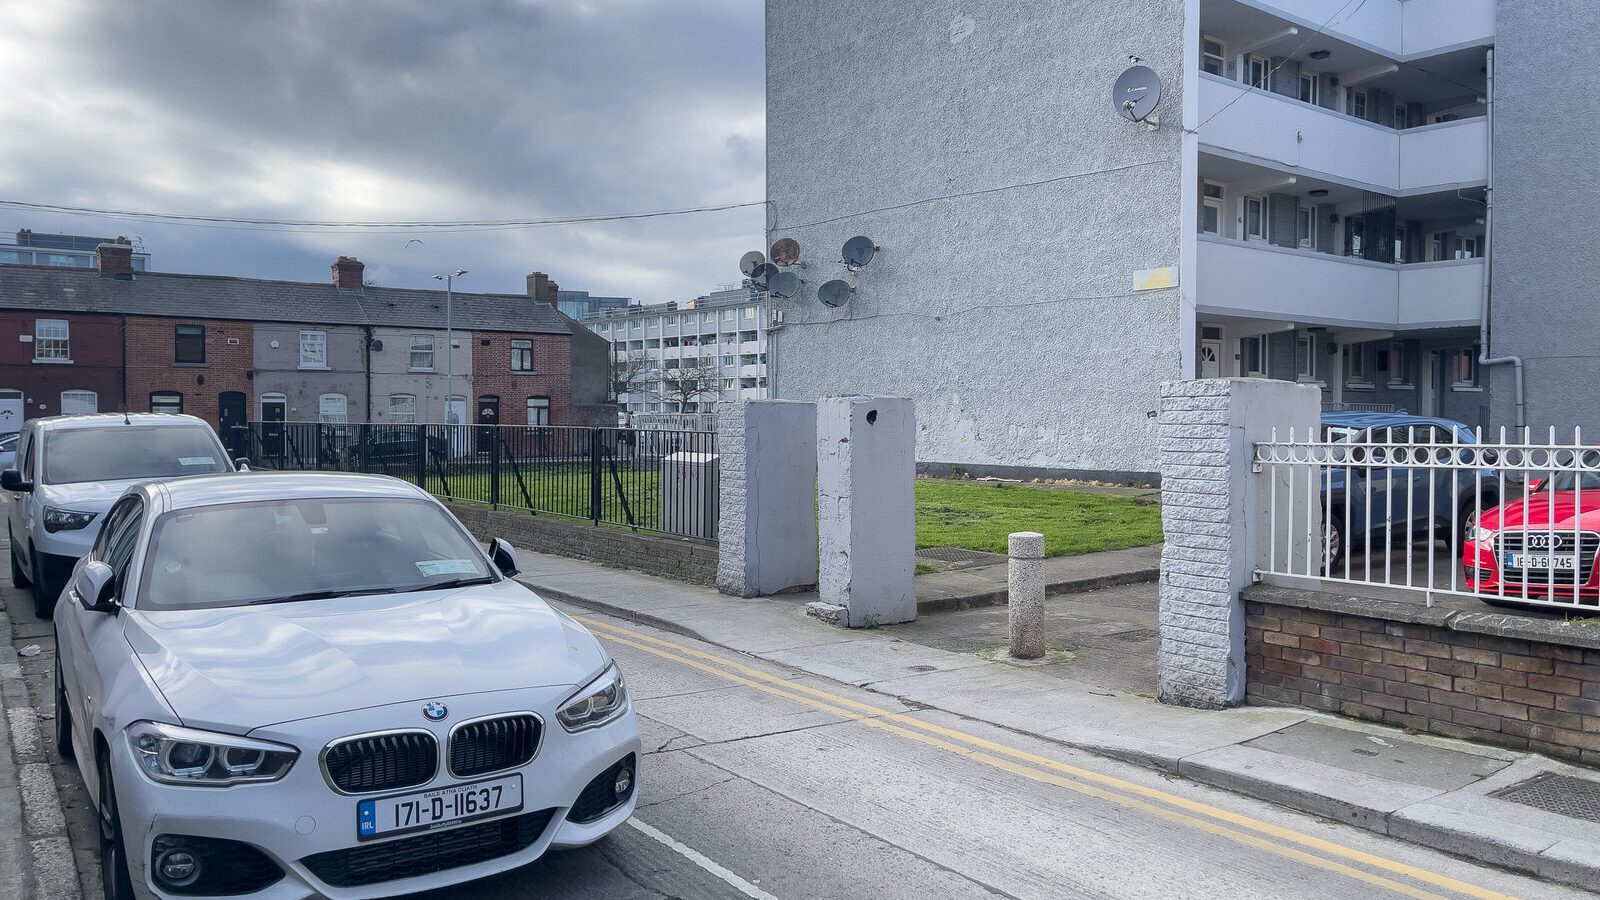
x=689 y=495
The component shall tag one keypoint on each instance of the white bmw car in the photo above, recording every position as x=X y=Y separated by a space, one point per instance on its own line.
x=319 y=685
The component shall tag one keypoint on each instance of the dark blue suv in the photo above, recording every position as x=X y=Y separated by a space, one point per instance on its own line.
x=1400 y=499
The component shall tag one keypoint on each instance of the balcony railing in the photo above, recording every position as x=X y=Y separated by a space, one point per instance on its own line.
x=1264 y=281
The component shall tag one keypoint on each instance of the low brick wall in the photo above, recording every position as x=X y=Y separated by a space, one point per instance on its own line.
x=669 y=557
x=1515 y=681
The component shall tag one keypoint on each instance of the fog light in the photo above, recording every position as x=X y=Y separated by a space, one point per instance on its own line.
x=623 y=783
x=178 y=868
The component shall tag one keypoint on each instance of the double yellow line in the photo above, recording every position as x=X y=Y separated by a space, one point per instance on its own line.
x=1284 y=842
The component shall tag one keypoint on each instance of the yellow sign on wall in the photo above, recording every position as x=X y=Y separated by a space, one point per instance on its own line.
x=1155 y=279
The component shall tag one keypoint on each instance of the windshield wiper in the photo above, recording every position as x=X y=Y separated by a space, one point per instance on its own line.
x=324 y=594
x=444 y=585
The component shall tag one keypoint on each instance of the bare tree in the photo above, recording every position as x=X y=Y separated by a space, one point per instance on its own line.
x=628 y=372
x=687 y=383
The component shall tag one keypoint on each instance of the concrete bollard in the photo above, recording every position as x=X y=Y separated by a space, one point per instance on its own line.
x=1025 y=587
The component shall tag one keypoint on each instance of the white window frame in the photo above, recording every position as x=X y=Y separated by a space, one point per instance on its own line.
x=1210 y=200
x=527 y=347
x=1220 y=57
x=1399 y=366
x=1358 y=96
x=422 y=344
x=1359 y=361
x=1261 y=343
x=1402 y=117
x=1308 y=372
x=1474 y=381
x=52 y=344
x=80 y=396
x=1306 y=219
x=1260 y=235
x=1313 y=96
x=333 y=409
x=1250 y=63
x=403 y=408
x=313 y=350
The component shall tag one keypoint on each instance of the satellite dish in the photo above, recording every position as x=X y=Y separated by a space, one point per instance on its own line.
x=763 y=274
x=1136 y=93
x=784 y=285
x=749 y=262
x=786 y=251
x=858 y=251
x=835 y=293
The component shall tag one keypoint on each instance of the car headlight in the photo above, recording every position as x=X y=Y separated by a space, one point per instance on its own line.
x=596 y=703
x=173 y=755
x=65 y=519
x=1480 y=534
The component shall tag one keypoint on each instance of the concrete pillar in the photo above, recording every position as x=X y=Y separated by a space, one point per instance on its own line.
x=1025 y=593
x=1215 y=512
x=866 y=468
x=767 y=530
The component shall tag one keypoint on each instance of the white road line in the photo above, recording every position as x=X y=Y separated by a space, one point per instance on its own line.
x=701 y=860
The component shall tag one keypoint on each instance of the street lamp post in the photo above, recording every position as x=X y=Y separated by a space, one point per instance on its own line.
x=449 y=343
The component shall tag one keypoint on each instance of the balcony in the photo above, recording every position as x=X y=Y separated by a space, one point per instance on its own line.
x=1285 y=134
x=1408 y=28
x=1260 y=281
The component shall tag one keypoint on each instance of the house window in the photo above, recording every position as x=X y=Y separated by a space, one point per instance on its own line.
x=1255 y=219
x=422 y=352
x=1253 y=356
x=669 y=320
x=1399 y=365
x=1358 y=104
x=166 y=402
x=522 y=356
x=728 y=359
x=1305 y=357
x=1213 y=56
x=1358 y=365
x=1310 y=88
x=538 y=410
x=403 y=408
x=727 y=384
x=313 y=349
x=79 y=403
x=1258 y=71
x=1464 y=368
x=52 y=340
x=188 y=343
x=333 y=409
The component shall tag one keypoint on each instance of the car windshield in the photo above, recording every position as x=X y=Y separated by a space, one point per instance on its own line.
x=1339 y=433
x=117 y=452
x=1568 y=480
x=283 y=551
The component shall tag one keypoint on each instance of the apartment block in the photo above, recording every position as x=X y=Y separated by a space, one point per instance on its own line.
x=1355 y=196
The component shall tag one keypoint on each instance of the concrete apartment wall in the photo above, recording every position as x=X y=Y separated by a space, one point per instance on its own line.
x=278 y=370
x=1546 y=187
x=1008 y=316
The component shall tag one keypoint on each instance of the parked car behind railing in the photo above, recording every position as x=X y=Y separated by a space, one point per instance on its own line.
x=1542 y=543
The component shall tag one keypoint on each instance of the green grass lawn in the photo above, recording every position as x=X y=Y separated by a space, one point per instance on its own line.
x=978 y=516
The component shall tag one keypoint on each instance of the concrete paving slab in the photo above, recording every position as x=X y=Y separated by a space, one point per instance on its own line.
x=1488 y=838
x=871 y=660
x=1385 y=757
x=1329 y=791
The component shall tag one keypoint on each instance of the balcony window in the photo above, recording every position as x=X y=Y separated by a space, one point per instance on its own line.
x=52 y=340
x=313 y=349
x=189 y=344
x=1358 y=104
x=1253 y=356
x=1213 y=56
x=1255 y=219
x=1305 y=357
x=1211 y=207
x=1310 y=88
x=422 y=352
x=1305 y=228
x=1258 y=69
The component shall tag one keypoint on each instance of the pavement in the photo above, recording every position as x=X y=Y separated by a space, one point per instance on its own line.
x=1095 y=693
x=978 y=586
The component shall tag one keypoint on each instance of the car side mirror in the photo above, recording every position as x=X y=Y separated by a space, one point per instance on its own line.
x=12 y=480
x=242 y=463
x=505 y=558
x=1536 y=485
x=95 y=585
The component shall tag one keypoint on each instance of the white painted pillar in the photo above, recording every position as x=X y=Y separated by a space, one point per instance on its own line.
x=866 y=469
x=1025 y=593
x=1215 y=513
x=767 y=529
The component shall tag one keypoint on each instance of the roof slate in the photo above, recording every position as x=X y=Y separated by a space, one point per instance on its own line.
x=57 y=289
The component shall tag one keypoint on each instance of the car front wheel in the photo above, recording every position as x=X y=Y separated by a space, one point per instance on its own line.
x=115 y=881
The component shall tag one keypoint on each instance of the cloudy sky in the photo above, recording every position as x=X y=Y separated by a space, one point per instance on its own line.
x=386 y=110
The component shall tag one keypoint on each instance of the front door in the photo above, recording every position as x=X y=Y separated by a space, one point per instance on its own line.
x=455 y=417
x=488 y=415
x=231 y=412
x=1428 y=390
x=1210 y=359
x=10 y=411
x=274 y=410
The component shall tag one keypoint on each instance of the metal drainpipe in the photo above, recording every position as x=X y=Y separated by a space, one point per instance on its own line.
x=1484 y=359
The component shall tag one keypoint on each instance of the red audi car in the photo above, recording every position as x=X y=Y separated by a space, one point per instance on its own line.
x=1542 y=547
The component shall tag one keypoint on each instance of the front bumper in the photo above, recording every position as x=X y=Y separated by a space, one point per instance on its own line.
x=1485 y=577
x=301 y=817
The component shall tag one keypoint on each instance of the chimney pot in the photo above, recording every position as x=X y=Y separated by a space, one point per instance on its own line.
x=347 y=272
x=114 y=259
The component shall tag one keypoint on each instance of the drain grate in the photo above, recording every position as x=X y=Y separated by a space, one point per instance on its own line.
x=961 y=556
x=1575 y=798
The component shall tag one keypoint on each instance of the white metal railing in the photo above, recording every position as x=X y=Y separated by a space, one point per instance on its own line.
x=673 y=421
x=1422 y=509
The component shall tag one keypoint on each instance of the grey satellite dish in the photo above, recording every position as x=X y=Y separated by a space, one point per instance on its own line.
x=763 y=274
x=749 y=262
x=1136 y=93
x=858 y=251
x=835 y=293
x=786 y=251
x=784 y=285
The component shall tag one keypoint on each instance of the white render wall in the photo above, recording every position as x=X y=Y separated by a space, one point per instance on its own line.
x=866 y=517
x=1214 y=515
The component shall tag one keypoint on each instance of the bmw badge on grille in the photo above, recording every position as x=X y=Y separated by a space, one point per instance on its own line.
x=435 y=711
